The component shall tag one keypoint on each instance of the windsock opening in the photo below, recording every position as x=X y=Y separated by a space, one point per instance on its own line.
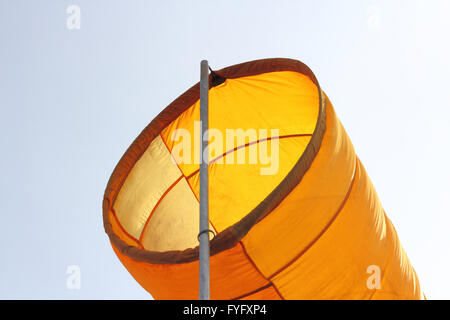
x=255 y=143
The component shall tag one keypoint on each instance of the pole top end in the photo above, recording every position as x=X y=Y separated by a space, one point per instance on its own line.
x=204 y=62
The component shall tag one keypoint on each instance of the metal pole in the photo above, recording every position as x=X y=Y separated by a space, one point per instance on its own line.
x=204 y=215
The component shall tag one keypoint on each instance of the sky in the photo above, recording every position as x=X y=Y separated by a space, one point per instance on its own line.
x=73 y=100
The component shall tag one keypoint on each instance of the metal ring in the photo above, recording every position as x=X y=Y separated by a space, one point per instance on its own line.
x=204 y=231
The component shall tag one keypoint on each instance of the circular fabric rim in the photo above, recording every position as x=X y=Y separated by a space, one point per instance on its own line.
x=229 y=237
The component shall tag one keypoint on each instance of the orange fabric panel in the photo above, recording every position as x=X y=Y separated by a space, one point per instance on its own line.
x=335 y=266
x=231 y=275
x=267 y=294
x=309 y=207
x=399 y=281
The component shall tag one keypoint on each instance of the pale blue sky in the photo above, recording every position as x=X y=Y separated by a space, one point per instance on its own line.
x=72 y=101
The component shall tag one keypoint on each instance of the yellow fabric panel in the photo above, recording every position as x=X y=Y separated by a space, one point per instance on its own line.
x=309 y=207
x=186 y=121
x=356 y=240
x=119 y=231
x=236 y=189
x=174 y=224
x=286 y=101
x=150 y=177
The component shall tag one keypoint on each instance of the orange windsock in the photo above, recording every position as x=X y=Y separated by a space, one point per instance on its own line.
x=293 y=212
